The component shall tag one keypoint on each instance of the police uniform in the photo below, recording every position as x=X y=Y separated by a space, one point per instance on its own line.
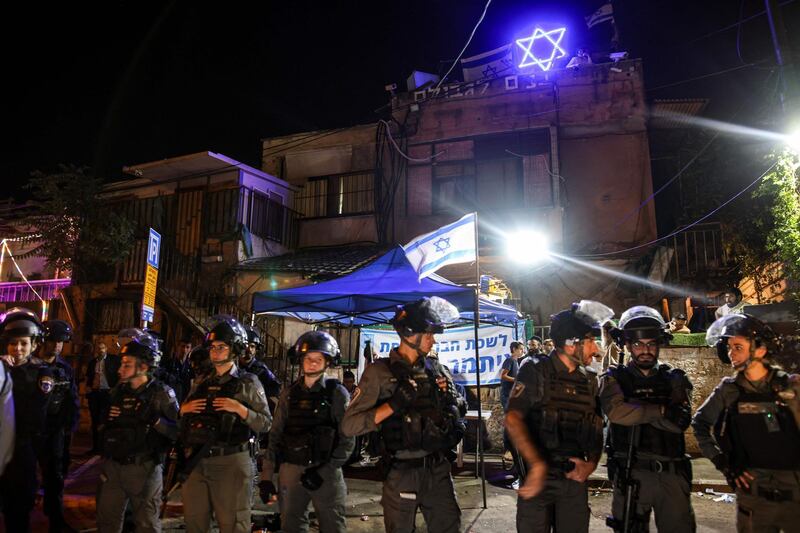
x=631 y=399
x=272 y=387
x=133 y=447
x=222 y=480
x=18 y=484
x=415 y=443
x=305 y=435
x=562 y=412
x=63 y=415
x=753 y=426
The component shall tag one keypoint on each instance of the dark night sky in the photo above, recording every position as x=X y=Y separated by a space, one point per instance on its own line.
x=128 y=82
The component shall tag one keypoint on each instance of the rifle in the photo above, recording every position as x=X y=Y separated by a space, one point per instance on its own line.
x=169 y=479
x=630 y=522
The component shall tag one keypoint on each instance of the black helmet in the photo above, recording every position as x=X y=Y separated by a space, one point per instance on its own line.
x=144 y=347
x=426 y=315
x=21 y=322
x=735 y=325
x=57 y=331
x=227 y=329
x=315 y=341
x=200 y=361
x=580 y=319
x=253 y=335
x=642 y=322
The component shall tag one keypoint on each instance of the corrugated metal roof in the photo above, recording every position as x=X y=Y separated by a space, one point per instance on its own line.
x=320 y=263
x=673 y=113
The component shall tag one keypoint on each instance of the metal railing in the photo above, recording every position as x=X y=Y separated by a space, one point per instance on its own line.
x=699 y=251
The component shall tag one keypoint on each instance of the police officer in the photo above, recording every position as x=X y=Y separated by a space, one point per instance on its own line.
x=650 y=402
x=748 y=427
x=411 y=400
x=21 y=332
x=249 y=362
x=63 y=412
x=305 y=435
x=220 y=415
x=554 y=420
x=141 y=422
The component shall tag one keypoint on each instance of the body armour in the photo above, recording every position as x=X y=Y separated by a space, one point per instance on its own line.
x=129 y=434
x=59 y=396
x=568 y=423
x=657 y=388
x=759 y=430
x=311 y=433
x=432 y=423
x=30 y=401
x=220 y=428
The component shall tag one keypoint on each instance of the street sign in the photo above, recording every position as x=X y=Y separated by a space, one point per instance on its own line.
x=151 y=276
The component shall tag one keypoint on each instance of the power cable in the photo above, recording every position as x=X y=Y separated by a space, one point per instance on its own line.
x=400 y=151
x=734 y=25
x=685 y=228
x=471 y=35
x=719 y=72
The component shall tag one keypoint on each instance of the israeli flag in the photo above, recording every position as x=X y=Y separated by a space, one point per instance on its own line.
x=604 y=14
x=454 y=243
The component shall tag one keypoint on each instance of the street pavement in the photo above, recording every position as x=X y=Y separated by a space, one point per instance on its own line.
x=364 y=489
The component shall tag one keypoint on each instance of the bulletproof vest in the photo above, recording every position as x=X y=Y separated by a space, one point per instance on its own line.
x=310 y=434
x=30 y=403
x=567 y=424
x=60 y=392
x=219 y=427
x=759 y=430
x=431 y=423
x=653 y=389
x=129 y=434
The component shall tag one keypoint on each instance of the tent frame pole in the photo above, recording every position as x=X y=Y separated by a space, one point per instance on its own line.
x=476 y=321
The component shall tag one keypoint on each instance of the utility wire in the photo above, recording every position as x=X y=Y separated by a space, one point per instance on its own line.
x=471 y=35
x=681 y=230
x=735 y=24
x=719 y=72
x=400 y=151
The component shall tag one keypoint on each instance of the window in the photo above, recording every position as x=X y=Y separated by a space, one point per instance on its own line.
x=341 y=195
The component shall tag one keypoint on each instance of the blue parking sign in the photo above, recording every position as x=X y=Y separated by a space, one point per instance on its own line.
x=153 y=248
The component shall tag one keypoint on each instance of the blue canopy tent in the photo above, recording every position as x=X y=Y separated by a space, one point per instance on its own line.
x=371 y=294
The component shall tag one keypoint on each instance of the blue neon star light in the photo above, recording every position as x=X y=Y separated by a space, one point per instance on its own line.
x=548 y=41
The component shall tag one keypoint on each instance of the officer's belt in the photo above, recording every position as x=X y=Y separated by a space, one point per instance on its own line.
x=426 y=461
x=775 y=495
x=134 y=459
x=672 y=466
x=217 y=451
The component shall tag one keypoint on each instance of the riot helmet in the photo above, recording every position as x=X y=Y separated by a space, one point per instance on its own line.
x=145 y=347
x=581 y=319
x=735 y=325
x=253 y=336
x=642 y=322
x=315 y=341
x=426 y=315
x=57 y=331
x=200 y=361
x=21 y=322
x=227 y=329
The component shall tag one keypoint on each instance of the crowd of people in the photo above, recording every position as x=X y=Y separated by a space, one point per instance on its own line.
x=233 y=433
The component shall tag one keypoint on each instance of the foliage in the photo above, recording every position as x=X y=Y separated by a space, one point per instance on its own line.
x=768 y=226
x=79 y=232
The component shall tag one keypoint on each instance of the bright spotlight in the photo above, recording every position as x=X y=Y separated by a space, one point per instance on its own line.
x=526 y=247
x=793 y=141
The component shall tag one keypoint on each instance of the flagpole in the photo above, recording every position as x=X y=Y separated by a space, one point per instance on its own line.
x=476 y=320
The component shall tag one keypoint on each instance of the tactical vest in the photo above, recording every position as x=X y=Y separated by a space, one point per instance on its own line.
x=60 y=391
x=567 y=424
x=129 y=434
x=431 y=423
x=219 y=427
x=653 y=389
x=759 y=430
x=311 y=433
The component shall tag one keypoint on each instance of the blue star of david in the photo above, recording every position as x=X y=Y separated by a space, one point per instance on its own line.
x=554 y=37
x=489 y=72
x=442 y=244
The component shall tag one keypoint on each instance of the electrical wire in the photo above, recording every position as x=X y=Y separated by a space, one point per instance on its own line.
x=685 y=228
x=704 y=76
x=7 y=249
x=400 y=151
x=471 y=35
x=734 y=25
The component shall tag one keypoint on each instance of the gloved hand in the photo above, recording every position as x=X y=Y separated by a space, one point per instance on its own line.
x=266 y=489
x=404 y=395
x=679 y=414
x=722 y=463
x=311 y=479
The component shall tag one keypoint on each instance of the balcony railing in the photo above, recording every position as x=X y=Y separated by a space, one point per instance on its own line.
x=699 y=251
